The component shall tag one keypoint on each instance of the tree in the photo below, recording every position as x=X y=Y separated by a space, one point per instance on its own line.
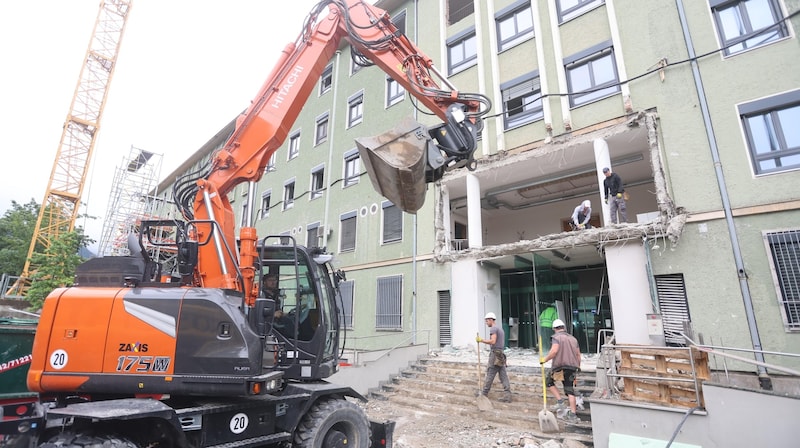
x=56 y=267
x=16 y=232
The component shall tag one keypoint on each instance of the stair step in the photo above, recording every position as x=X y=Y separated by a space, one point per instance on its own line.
x=449 y=387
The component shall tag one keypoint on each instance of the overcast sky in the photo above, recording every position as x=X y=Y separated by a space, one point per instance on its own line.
x=185 y=69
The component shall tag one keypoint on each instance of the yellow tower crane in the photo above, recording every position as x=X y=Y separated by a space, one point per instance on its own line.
x=61 y=203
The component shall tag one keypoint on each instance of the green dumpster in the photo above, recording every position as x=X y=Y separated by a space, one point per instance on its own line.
x=16 y=343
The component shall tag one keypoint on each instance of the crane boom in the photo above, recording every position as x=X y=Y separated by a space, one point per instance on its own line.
x=60 y=207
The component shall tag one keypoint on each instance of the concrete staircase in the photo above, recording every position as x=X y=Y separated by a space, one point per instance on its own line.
x=449 y=387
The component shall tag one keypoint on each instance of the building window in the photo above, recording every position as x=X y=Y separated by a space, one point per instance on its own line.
x=744 y=24
x=355 y=58
x=312 y=235
x=522 y=100
x=784 y=253
x=394 y=92
x=288 y=195
x=773 y=136
x=294 y=145
x=352 y=167
x=591 y=75
x=321 y=133
x=569 y=9
x=459 y=9
x=326 y=80
x=392 y=223
x=462 y=51
x=347 y=222
x=355 y=109
x=266 y=198
x=514 y=25
x=346 y=289
x=317 y=182
x=271 y=163
x=244 y=222
x=389 y=310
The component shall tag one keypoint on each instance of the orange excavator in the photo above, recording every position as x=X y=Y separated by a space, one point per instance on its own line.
x=200 y=355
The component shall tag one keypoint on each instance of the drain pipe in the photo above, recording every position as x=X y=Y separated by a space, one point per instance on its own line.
x=763 y=378
x=414 y=222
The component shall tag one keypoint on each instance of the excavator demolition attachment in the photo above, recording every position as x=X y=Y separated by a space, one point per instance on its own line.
x=400 y=162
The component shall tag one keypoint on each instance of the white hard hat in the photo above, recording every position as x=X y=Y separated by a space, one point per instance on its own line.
x=558 y=323
x=587 y=204
x=490 y=316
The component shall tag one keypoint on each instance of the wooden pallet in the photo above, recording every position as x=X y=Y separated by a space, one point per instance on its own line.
x=666 y=371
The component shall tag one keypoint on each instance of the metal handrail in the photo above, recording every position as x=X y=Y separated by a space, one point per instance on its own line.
x=403 y=343
x=708 y=349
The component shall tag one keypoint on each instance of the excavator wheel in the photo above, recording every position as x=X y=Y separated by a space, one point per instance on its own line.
x=87 y=440
x=333 y=423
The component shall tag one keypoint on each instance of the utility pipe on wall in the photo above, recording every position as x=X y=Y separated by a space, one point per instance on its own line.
x=763 y=377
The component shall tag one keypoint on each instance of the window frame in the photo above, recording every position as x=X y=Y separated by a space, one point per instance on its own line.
x=583 y=6
x=321 y=125
x=344 y=219
x=589 y=58
x=294 y=146
x=317 y=186
x=789 y=306
x=289 y=189
x=389 y=234
x=743 y=21
x=518 y=85
x=459 y=41
x=770 y=108
x=355 y=109
x=395 y=92
x=352 y=162
x=326 y=80
x=512 y=13
x=271 y=163
x=245 y=212
x=389 y=303
x=315 y=228
x=266 y=198
x=347 y=290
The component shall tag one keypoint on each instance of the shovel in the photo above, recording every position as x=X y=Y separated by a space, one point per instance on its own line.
x=483 y=401
x=547 y=421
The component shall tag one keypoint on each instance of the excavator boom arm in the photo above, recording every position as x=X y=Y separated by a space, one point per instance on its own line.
x=264 y=126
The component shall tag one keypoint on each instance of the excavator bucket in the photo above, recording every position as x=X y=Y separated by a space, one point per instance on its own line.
x=396 y=162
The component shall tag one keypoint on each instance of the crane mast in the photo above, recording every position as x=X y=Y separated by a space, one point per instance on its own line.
x=59 y=209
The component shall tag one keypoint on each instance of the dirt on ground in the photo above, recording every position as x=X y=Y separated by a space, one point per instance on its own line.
x=421 y=429
x=418 y=429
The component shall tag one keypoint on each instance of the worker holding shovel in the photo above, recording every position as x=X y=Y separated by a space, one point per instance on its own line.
x=566 y=356
x=497 y=358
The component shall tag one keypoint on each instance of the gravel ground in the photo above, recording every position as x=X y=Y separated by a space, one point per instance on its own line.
x=420 y=429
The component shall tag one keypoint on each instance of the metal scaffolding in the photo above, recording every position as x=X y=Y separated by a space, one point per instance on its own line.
x=130 y=200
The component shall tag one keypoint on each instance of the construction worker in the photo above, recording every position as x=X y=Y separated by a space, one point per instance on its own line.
x=566 y=356
x=546 y=318
x=497 y=358
x=581 y=216
x=615 y=192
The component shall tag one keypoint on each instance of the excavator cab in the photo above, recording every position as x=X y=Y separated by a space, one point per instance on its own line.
x=403 y=160
x=304 y=315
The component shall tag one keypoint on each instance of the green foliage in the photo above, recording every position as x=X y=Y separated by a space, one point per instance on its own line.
x=56 y=267
x=16 y=232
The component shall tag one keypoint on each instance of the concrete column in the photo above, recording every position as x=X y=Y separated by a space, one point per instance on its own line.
x=474 y=221
x=629 y=291
x=602 y=159
x=475 y=292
